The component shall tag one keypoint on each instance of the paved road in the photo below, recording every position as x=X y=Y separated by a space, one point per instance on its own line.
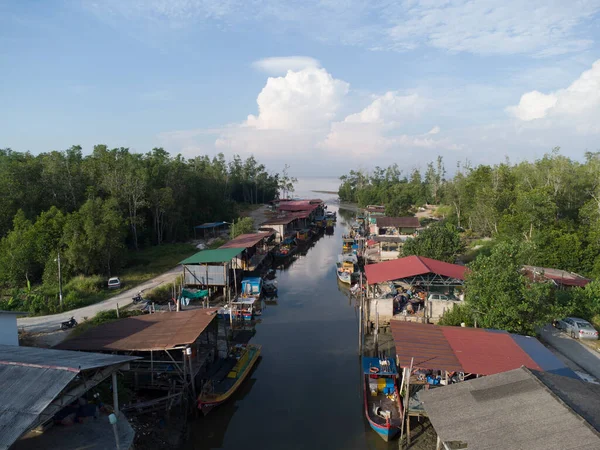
x=580 y=354
x=45 y=324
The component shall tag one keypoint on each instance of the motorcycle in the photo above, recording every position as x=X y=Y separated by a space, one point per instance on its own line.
x=138 y=298
x=68 y=324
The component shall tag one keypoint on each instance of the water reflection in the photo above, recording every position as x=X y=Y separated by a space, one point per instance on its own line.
x=306 y=393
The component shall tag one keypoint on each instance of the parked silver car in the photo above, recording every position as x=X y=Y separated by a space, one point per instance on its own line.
x=577 y=328
x=114 y=283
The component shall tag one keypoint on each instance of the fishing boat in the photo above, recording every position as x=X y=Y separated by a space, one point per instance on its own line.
x=345 y=268
x=270 y=288
x=227 y=376
x=252 y=287
x=303 y=236
x=245 y=308
x=331 y=215
x=286 y=248
x=381 y=397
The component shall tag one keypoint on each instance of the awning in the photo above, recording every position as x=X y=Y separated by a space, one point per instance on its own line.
x=219 y=255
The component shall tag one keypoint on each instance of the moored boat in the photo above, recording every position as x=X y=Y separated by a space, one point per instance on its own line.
x=345 y=268
x=286 y=248
x=245 y=308
x=382 y=404
x=227 y=375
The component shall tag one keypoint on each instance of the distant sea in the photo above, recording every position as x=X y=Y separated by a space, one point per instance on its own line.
x=306 y=185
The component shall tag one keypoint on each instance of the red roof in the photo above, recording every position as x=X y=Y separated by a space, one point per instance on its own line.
x=426 y=344
x=298 y=205
x=486 y=352
x=458 y=349
x=411 y=266
x=246 y=240
x=398 y=222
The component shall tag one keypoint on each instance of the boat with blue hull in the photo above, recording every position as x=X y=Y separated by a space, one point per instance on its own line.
x=382 y=404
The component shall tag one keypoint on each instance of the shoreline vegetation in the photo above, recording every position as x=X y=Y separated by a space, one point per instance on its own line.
x=543 y=213
x=111 y=213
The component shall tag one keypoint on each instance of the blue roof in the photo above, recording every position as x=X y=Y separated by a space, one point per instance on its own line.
x=542 y=356
x=211 y=225
x=252 y=280
x=319 y=218
x=368 y=363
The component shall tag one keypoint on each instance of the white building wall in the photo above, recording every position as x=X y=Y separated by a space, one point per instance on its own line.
x=9 y=334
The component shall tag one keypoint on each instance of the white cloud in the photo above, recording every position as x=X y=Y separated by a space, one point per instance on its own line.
x=280 y=65
x=534 y=27
x=578 y=104
x=540 y=27
x=378 y=128
x=305 y=99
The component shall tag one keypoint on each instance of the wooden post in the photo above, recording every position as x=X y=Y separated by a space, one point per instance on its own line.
x=360 y=328
x=152 y=367
x=117 y=311
x=438 y=445
x=115 y=393
x=192 y=379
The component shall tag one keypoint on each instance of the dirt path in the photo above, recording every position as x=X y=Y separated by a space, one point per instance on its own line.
x=51 y=323
x=259 y=215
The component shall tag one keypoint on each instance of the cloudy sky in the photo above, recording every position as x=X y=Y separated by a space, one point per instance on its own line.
x=322 y=85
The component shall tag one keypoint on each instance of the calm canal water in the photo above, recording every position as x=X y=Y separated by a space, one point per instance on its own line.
x=305 y=392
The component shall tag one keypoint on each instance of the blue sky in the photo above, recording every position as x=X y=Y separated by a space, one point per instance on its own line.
x=323 y=86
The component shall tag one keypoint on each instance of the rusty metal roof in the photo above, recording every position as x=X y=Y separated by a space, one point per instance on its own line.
x=160 y=331
x=398 y=222
x=246 y=240
x=31 y=378
x=470 y=350
x=426 y=344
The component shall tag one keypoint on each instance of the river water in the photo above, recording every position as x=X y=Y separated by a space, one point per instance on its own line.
x=306 y=391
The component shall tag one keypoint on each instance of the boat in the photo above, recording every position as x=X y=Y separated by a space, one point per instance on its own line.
x=286 y=248
x=331 y=215
x=345 y=268
x=245 y=308
x=303 y=236
x=382 y=404
x=227 y=376
x=251 y=287
x=270 y=288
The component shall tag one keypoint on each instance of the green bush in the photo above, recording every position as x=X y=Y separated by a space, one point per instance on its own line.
x=459 y=313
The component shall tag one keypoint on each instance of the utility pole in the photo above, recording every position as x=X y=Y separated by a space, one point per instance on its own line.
x=60 y=297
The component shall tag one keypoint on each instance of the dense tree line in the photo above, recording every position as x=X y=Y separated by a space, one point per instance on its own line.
x=552 y=203
x=93 y=208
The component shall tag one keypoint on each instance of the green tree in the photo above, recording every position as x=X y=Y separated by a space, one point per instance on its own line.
x=243 y=225
x=439 y=241
x=501 y=297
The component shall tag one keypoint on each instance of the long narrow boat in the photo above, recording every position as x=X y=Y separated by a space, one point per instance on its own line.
x=287 y=248
x=343 y=276
x=228 y=376
x=381 y=398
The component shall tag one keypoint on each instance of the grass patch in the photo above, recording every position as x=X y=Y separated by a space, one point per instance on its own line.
x=216 y=243
x=81 y=291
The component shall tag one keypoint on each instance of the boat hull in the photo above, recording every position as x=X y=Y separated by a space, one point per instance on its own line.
x=391 y=428
x=208 y=404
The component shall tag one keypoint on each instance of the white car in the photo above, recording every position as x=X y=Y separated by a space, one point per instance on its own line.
x=577 y=328
x=441 y=297
x=114 y=283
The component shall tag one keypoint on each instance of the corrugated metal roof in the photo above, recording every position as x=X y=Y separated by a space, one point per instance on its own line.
x=485 y=353
x=411 y=266
x=31 y=378
x=24 y=393
x=211 y=225
x=219 y=255
x=160 y=331
x=301 y=205
x=398 y=222
x=426 y=344
x=246 y=240
x=519 y=409
x=469 y=350
x=557 y=275
x=280 y=220
x=58 y=359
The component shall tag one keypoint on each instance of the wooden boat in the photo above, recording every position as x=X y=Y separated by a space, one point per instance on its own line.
x=286 y=248
x=303 y=236
x=345 y=268
x=382 y=404
x=227 y=376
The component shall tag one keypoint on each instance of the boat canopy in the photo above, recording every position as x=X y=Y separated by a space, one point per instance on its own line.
x=251 y=285
x=244 y=301
x=288 y=241
x=375 y=366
